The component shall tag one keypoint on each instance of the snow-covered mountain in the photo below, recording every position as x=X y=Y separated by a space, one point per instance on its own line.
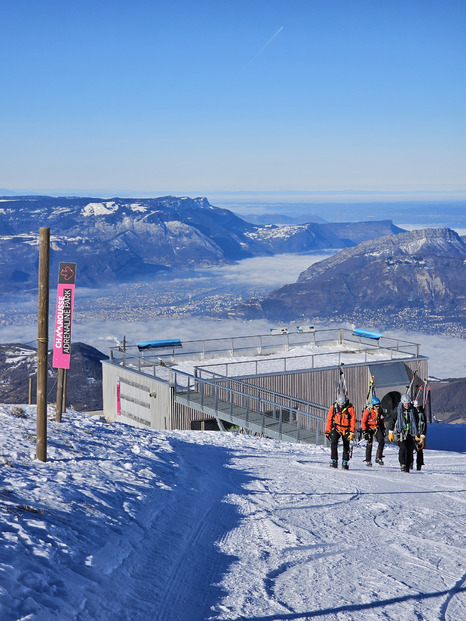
x=276 y=239
x=417 y=276
x=116 y=240
x=124 y=239
x=125 y=524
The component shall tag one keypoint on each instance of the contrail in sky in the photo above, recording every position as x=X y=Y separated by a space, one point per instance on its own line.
x=268 y=43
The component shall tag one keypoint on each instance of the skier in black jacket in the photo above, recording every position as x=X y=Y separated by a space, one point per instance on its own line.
x=420 y=439
x=406 y=429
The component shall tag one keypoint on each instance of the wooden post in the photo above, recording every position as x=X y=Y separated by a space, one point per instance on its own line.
x=42 y=343
x=30 y=391
x=59 y=404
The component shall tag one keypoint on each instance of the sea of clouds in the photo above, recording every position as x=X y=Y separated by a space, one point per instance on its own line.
x=447 y=355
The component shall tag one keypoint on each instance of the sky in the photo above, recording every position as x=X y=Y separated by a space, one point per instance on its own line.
x=151 y=97
x=124 y=523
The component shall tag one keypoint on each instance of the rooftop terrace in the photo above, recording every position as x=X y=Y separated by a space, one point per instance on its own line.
x=246 y=356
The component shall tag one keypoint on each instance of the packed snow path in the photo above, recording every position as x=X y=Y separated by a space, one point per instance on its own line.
x=130 y=524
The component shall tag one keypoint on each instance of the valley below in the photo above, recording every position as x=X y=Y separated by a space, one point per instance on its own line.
x=203 y=304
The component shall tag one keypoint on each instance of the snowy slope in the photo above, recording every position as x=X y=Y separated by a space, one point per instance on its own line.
x=129 y=524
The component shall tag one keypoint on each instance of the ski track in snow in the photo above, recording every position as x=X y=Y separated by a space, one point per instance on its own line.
x=391 y=540
x=134 y=525
x=200 y=518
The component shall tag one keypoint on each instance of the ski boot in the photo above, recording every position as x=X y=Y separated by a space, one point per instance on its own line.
x=369 y=464
x=379 y=461
x=345 y=466
x=334 y=463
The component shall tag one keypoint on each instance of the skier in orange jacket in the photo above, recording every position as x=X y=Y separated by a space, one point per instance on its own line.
x=341 y=423
x=373 y=425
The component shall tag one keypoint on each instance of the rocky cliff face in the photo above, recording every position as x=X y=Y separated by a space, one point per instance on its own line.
x=387 y=281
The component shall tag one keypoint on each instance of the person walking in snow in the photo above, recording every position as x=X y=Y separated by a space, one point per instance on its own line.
x=406 y=429
x=420 y=439
x=341 y=423
x=373 y=425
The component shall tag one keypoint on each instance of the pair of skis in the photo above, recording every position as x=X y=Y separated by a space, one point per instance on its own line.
x=370 y=394
x=422 y=396
x=343 y=388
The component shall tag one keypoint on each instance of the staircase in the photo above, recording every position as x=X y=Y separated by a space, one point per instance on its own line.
x=251 y=408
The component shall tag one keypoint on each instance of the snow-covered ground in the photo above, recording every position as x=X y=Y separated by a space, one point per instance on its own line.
x=130 y=524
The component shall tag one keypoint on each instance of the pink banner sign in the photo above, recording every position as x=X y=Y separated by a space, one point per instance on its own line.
x=64 y=316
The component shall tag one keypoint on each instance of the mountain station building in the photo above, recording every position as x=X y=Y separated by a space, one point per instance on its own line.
x=279 y=385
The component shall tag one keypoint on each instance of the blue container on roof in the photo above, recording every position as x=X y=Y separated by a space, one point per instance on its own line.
x=366 y=334
x=159 y=344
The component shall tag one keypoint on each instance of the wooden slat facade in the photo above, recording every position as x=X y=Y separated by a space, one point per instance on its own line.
x=320 y=385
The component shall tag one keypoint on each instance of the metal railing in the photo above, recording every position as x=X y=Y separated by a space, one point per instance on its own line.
x=283 y=364
x=244 y=400
x=261 y=345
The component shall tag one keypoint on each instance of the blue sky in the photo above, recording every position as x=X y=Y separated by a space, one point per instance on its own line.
x=211 y=96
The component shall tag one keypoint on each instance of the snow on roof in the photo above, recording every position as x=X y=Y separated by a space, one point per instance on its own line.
x=296 y=359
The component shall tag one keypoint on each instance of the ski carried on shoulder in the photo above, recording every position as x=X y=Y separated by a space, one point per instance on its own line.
x=343 y=388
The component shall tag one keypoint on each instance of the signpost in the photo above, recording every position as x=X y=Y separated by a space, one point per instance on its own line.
x=63 y=323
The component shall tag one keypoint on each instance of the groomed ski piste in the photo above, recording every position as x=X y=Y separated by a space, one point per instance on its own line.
x=131 y=524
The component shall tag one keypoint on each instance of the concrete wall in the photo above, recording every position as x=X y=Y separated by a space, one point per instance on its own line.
x=144 y=401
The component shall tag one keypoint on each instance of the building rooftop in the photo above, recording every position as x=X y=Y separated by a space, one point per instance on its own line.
x=247 y=356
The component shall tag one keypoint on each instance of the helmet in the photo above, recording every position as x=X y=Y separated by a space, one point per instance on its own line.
x=342 y=399
x=375 y=401
x=405 y=399
x=416 y=403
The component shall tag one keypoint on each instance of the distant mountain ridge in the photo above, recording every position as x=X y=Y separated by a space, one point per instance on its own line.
x=278 y=218
x=125 y=239
x=448 y=400
x=357 y=232
x=408 y=280
x=349 y=232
